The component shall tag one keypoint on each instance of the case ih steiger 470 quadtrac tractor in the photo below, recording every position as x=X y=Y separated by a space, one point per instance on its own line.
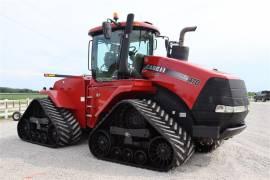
x=143 y=110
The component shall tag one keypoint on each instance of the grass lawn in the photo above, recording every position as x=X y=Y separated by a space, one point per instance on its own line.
x=16 y=96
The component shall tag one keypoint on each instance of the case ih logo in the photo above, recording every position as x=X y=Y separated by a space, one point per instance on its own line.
x=155 y=68
x=175 y=74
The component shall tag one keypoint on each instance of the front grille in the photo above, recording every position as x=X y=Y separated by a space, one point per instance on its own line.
x=218 y=91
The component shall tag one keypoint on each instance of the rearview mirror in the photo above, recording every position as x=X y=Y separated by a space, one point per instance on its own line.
x=107 y=30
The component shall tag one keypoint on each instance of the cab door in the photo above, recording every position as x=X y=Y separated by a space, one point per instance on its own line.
x=104 y=65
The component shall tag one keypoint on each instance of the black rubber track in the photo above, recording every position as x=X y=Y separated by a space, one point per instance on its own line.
x=169 y=128
x=67 y=129
x=73 y=125
x=166 y=126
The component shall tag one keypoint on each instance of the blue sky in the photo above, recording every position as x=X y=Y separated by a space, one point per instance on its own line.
x=51 y=36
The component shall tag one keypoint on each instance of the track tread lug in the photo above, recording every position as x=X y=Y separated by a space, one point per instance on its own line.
x=178 y=137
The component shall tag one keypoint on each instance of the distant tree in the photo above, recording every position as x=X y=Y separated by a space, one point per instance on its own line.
x=251 y=93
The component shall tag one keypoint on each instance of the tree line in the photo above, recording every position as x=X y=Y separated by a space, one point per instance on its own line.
x=15 y=90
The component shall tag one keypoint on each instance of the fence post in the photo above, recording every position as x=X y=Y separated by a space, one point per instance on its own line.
x=19 y=105
x=6 y=109
x=6 y=103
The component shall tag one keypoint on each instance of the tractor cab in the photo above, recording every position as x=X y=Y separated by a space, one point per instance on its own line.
x=117 y=53
x=118 y=48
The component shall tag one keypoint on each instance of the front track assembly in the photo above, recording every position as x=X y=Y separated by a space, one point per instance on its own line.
x=45 y=124
x=140 y=133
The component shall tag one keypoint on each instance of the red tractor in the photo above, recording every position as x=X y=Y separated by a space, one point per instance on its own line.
x=142 y=110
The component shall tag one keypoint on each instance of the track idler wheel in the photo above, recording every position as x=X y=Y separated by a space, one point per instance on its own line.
x=23 y=130
x=100 y=143
x=160 y=152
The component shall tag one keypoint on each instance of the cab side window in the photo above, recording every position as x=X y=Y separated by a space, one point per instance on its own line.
x=105 y=56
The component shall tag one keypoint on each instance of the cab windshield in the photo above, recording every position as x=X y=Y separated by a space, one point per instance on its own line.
x=106 y=52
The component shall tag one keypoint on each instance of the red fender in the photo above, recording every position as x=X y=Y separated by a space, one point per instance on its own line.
x=59 y=98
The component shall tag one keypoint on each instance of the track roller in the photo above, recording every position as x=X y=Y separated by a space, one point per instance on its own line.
x=116 y=152
x=140 y=157
x=127 y=155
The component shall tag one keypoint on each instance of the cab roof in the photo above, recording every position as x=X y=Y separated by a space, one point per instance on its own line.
x=136 y=25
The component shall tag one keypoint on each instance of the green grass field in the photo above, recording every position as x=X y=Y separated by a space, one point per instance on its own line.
x=16 y=96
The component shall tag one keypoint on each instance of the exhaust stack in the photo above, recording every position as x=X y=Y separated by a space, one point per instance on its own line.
x=183 y=32
x=178 y=50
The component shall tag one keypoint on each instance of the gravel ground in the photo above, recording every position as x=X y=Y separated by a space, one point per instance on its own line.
x=246 y=156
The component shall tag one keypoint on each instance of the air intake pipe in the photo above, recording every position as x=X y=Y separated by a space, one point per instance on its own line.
x=179 y=51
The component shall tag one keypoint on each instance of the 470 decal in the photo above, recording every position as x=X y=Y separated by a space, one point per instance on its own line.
x=194 y=81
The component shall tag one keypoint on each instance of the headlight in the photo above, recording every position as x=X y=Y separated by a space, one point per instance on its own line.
x=230 y=109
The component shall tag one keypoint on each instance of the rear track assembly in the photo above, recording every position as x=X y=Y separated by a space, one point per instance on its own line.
x=45 y=124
